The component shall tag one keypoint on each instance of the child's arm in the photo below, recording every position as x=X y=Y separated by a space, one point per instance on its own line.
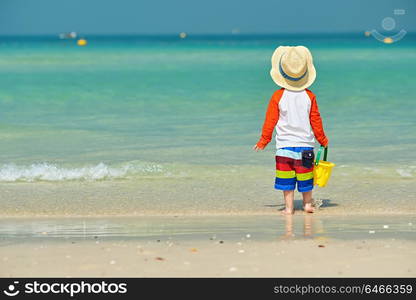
x=272 y=116
x=316 y=121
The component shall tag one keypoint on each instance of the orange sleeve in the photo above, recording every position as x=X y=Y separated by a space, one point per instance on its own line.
x=316 y=121
x=272 y=116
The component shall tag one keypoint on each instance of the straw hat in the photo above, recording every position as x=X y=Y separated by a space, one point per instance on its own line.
x=292 y=68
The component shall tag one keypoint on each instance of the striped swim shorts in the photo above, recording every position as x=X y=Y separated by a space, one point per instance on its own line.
x=289 y=170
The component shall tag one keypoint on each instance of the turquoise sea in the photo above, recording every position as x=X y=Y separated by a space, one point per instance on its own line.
x=158 y=124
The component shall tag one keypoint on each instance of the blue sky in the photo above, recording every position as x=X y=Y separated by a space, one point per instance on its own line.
x=27 y=17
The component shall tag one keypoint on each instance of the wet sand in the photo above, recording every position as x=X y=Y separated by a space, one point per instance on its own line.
x=207 y=190
x=216 y=246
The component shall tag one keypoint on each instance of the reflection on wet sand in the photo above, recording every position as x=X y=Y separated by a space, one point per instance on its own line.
x=289 y=226
x=231 y=228
x=308 y=228
x=307 y=225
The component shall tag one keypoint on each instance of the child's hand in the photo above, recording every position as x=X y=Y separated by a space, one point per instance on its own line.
x=257 y=148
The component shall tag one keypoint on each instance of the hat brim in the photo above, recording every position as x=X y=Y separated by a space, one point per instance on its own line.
x=281 y=81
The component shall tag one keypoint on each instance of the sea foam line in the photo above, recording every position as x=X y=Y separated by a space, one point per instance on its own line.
x=53 y=172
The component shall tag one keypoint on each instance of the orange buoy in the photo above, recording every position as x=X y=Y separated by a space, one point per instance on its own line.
x=388 y=40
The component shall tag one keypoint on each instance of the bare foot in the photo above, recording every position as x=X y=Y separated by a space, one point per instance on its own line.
x=288 y=211
x=308 y=208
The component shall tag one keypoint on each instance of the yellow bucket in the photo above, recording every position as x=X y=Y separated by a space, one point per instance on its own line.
x=322 y=170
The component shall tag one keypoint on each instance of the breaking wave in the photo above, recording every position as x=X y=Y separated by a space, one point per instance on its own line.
x=53 y=172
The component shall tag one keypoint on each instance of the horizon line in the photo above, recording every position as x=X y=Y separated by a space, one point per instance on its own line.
x=80 y=34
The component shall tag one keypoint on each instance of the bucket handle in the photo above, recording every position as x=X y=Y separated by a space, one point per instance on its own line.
x=318 y=155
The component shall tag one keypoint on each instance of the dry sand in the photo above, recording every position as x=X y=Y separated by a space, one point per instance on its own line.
x=292 y=258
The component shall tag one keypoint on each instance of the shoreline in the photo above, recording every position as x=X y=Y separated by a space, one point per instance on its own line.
x=225 y=194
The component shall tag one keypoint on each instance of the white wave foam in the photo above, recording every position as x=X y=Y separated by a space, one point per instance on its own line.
x=52 y=172
x=407 y=173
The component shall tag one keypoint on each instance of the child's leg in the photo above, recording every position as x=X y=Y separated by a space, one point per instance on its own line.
x=286 y=180
x=307 y=202
x=289 y=197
